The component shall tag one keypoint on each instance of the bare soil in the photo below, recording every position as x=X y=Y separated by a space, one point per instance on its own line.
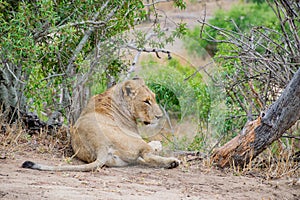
x=191 y=180
x=135 y=182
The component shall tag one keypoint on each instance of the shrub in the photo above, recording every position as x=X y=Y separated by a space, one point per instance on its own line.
x=241 y=18
x=176 y=93
x=186 y=100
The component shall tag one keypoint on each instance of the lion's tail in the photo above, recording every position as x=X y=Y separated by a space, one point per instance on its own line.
x=82 y=168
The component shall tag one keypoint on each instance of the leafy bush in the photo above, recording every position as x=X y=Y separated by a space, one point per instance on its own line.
x=241 y=18
x=175 y=92
x=40 y=38
x=227 y=116
x=184 y=97
x=58 y=49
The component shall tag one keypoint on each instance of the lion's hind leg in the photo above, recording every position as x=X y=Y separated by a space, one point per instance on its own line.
x=115 y=161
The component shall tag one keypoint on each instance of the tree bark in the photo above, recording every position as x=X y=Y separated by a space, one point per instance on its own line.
x=13 y=101
x=257 y=135
x=11 y=90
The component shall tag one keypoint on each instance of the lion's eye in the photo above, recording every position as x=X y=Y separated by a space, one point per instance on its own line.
x=147 y=102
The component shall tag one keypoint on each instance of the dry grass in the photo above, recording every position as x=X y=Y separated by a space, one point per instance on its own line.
x=14 y=139
x=275 y=162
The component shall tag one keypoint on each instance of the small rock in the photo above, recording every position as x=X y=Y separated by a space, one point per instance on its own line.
x=3 y=156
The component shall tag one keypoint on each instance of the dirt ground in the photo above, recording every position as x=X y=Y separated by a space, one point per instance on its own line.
x=189 y=181
x=135 y=182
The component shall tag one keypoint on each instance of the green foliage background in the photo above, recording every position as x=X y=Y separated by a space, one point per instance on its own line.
x=183 y=94
x=41 y=38
x=227 y=117
x=240 y=18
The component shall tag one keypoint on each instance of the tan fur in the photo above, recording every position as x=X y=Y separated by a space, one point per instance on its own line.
x=106 y=132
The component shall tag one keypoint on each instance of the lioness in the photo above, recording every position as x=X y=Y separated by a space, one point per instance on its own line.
x=106 y=132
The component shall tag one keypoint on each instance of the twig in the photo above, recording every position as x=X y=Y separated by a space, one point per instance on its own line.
x=156 y=2
x=199 y=68
x=13 y=74
x=290 y=136
x=139 y=51
x=52 y=76
x=171 y=127
x=95 y=23
x=151 y=50
x=204 y=18
x=217 y=143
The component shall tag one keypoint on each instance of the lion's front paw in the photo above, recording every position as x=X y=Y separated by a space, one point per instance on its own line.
x=173 y=163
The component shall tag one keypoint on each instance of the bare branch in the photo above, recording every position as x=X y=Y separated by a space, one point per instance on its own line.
x=7 y=66
x=197 y=71
x=139 y=51
x=89 y=22
x=52 y=76
x=156 y=2
x=264 y=64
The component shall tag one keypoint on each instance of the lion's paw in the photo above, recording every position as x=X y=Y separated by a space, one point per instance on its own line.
x=173 y=163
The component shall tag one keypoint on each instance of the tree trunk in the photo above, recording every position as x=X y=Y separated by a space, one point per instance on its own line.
x=13 y=102
x=11 y=90
x=257 y=135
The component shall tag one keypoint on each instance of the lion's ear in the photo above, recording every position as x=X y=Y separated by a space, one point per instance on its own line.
x=128 y=89
x=139 y=80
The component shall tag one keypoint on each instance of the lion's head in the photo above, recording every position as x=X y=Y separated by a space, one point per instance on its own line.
x=141 y=101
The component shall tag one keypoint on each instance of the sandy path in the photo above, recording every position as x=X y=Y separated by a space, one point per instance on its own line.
x=135 y=182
